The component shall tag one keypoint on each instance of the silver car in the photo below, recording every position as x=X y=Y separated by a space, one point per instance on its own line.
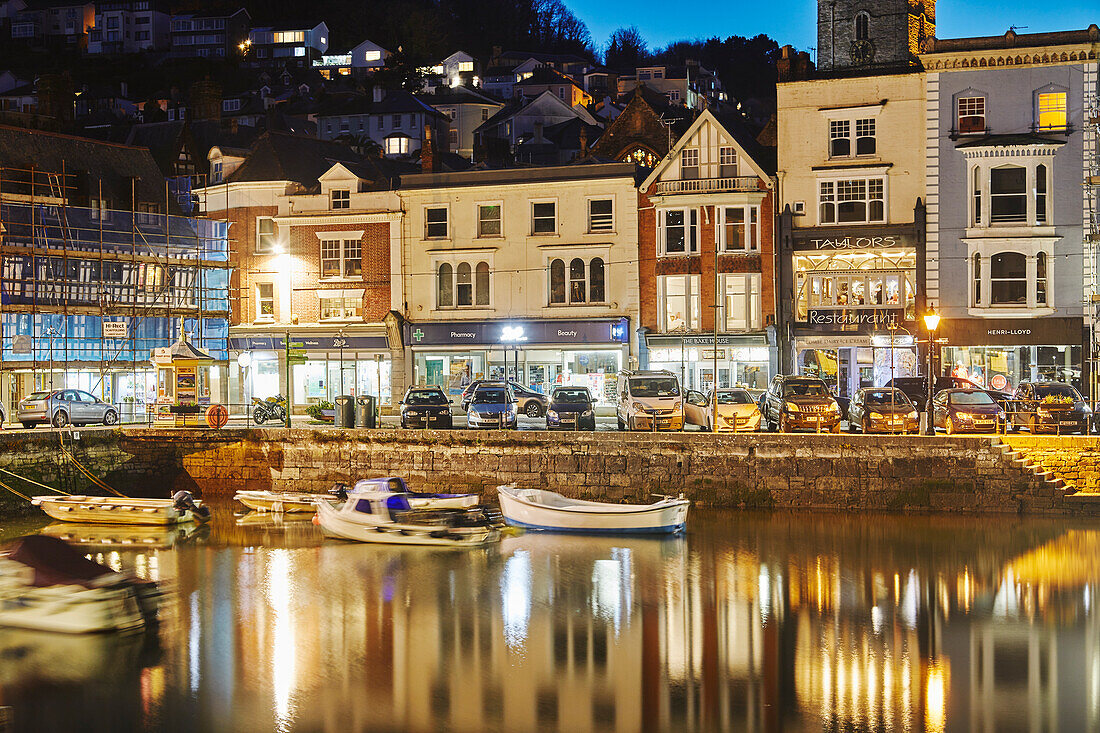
x=61 y=407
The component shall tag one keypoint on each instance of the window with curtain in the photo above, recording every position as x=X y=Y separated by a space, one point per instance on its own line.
x=557 y=282
x=740 y=228
x=742 y=301
x=1051 y=111
x=678 y=305
x=445 y=292
x=1008 y=279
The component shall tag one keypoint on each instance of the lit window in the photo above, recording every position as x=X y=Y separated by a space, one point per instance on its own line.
x=465 y=66
x=544 y=218
x=340 y=198
x=971 y=114
x=340 y=308
x=742 y=301
x=642 y=157
x=1052 y=111
x=859 y=201
x=488 y=220
x=740 y=228
x=601 y=217
x=397 y=145
x=372 y=55
x=678 y=302
x=265 y=234
x=265 y=300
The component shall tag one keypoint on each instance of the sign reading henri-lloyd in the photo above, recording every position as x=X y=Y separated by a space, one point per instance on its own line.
x=493 y=333
x=1012 y=331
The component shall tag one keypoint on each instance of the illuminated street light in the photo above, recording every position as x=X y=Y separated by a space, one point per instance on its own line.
x=931 y=322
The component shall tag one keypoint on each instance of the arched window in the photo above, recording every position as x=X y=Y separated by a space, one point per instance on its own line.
x=863 y=26
x=445 y=290
x=1008 y=279
x=977 y=279
x=1041 y=278
x=481 y=283
x=557 y=281
x=464 y=285
x=576 y=280
x=641 y=156
x=596 y=281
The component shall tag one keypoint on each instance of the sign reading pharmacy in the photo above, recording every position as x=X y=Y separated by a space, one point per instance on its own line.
x=497 y=333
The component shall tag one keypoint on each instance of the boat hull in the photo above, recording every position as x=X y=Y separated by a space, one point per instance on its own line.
x=665 y=517
x=70 y=609
x=111 y=510
x=271 y=501
x=335 y=524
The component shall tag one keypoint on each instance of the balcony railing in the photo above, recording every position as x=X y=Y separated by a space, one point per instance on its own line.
x=709 y=185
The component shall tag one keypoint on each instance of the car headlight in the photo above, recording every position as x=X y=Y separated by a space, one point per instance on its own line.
x=791 y=407
x=552 y=414
x=510 y=410
x=835 y=407
x=964 y=415
x=412 y=413
x=586 y=413
x=1043 y=411
x=913 y=415
x=876 y=415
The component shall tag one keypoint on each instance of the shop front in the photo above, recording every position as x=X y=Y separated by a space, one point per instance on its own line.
x=742 y=360
x=999 y=353
x=854 y=310
x=323 y=365
x=540 y=354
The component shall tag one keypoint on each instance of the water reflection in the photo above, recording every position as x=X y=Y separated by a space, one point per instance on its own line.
x=751 y=622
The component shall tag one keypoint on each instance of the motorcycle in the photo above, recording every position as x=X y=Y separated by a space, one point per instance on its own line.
x=273 y=408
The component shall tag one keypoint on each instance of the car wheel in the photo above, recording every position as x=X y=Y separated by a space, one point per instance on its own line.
x=533 y=409
x=835 y=428
x=949 y=425
x=1033 y=425
x=866 y=427
x=60 y=419
x=29 y=425
x=621 y=424
x=783 y=426
x=110 y=417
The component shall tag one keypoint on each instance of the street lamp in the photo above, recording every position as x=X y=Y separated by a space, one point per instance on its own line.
x=341 y=339
x=931 y=322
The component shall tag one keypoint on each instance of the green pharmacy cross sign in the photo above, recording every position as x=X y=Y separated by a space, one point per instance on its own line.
x=418 y=335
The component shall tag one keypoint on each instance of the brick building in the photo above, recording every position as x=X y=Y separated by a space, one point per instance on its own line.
x=706 y=218
x=316 y=230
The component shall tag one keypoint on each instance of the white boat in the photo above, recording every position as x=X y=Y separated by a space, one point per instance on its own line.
x=286 y=501
x=47 y=585
x=540 y=509
x=179 y=509
x=417 y=499
x=282 y=501
x=389 y=517
x=121 y=536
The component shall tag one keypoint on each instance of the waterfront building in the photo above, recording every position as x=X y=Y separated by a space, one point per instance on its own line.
x=100 y=263
x=706 y=216
x=529 y=273
x=1008 y=144
x=851 y=175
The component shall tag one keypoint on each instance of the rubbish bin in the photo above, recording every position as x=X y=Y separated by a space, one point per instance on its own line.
x=364 y=412
x=345 y=411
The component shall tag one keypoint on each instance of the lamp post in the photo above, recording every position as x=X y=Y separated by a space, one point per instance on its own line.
x=931 y=322
x=341 y=339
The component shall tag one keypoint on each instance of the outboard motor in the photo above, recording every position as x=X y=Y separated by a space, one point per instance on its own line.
x=182 y=501
x=340 y=491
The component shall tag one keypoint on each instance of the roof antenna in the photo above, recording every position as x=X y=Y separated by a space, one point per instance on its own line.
x=1015 y=28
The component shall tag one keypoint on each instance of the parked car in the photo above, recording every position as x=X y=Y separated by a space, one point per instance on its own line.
x=492 y=405
x=737 y=411
x=1056 y=407
x=800 y=403
x=61 y=407
x=571 y=408
x=426 y=407
x=916 y=389
x=531 y=403
x=966 y=411
x=882 y=410
x=648 y=397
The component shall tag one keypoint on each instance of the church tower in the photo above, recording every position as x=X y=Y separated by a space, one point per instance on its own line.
x=872 y=35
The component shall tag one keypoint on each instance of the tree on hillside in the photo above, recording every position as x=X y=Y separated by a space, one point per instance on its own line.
x=626 y=49
x=746 y=66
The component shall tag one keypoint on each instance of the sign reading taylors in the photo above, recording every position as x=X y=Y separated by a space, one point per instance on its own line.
x=495 y=333
x=866 y=319
x=838 y=239
x=1012 y=331
x=312 y=342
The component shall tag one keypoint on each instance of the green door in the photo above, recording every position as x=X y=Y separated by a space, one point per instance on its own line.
x=434 y=376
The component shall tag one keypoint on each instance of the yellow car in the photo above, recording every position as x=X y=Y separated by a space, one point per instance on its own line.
x=737 y=411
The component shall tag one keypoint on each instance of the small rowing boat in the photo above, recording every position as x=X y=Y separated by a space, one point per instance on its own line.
x=389 y=517
x=181 y=508
x=288 y=501
x=540 y=509
x=282 y=501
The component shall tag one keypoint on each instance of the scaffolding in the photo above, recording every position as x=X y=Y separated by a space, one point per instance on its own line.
x=68 y=272
x=1091 y=153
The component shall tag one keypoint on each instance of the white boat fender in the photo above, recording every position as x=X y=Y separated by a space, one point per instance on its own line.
x=182 y=501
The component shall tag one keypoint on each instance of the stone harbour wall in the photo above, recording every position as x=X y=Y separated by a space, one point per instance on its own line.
x=1075 y=460
x=831 y=472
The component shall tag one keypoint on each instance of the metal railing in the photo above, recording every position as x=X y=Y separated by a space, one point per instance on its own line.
x=709 y=185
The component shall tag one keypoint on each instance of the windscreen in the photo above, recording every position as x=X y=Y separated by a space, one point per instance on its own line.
x=885 y=397
x=490 y=397
x=38 y=395
x=654 y=387
x=579 y=396
x=735 y=397
x=971 y=398
x=805 y=389
x=427 y=397
x=1057 y=390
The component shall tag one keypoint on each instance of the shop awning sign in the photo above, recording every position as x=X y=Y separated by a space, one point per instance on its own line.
x=504 y=333
x=842 y=239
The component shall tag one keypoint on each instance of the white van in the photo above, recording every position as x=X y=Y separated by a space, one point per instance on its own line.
x=647 y=395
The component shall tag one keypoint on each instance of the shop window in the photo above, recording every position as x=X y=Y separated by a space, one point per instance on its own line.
x=265 y=234
x=739 y=228
x=971 y=117
x=1051 y=111
x=1041 y=279
x=544 y=219
x=742 y=301
x=679 y=302
x=340 y=198
x=678 y=231
x=265 y=300
x=727 y=162
x=601 y=215
x=445 y=290
x=1008 y=194
x=859 y=201
x=435 y=222
x=689 y=164
x=488 y=220
x=1008 y=279
x=341 y=258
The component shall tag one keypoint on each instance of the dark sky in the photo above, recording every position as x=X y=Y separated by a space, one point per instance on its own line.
x=794 y=21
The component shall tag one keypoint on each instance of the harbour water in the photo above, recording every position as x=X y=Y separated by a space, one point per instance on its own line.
x=750 y=622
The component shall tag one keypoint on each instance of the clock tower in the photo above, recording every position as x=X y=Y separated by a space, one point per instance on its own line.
x=872 y=35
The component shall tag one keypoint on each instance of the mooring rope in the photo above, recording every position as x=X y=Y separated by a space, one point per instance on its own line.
x=22 y=496
x=85 y=471
x=32 y=481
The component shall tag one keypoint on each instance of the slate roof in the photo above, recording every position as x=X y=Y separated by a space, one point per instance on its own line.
x=395 y=102
x=279 y=156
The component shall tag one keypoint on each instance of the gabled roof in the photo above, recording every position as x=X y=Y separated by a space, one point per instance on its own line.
x=518 y=105
x=279 y=156
x=763 y=161
x=395 y=102
x=545 y=75
x=163 y=138
x=456 y=95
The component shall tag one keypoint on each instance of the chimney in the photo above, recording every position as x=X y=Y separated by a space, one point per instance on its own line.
x=232 y=125
x=206 y=100
x=584 y=140
x=538 y=133
x=379 y=92
x=427 y=152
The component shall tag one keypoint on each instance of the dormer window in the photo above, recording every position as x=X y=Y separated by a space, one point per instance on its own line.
x=971 y=115
x=340 y=198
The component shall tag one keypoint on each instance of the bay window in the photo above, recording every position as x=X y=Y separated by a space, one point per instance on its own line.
x=1012 y=194
x=1008 y=279
x=1011 y=274
x=679 y=231
x=857 y=201
x=742 y=301
x=739 y=228
x=1008 y=194
x=678 y=302
x=339 y=306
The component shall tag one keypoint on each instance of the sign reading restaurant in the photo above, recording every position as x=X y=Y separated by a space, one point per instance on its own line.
x=873 y=317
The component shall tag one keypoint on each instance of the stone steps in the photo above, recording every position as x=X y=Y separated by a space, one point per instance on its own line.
x=1019 y=460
